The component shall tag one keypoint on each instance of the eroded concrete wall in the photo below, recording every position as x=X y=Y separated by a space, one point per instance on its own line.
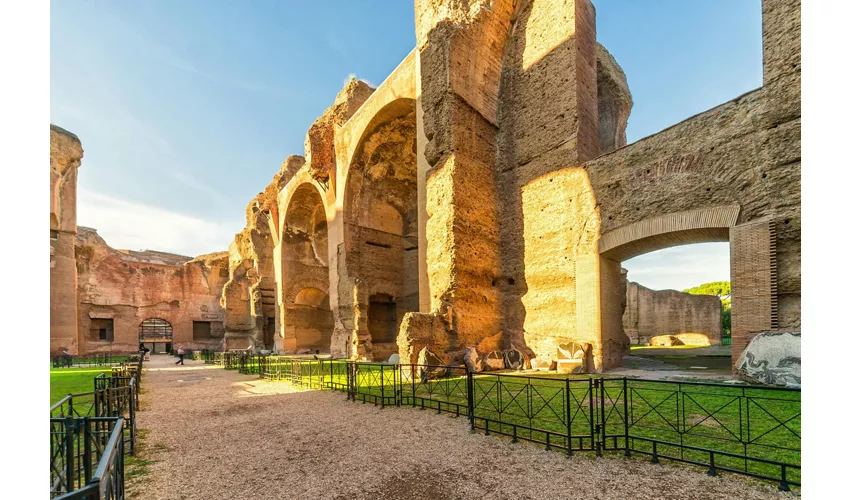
x=129 y=287
x=650 y=313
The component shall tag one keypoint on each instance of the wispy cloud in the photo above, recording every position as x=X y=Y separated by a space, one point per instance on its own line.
x=177 y=62
x=136 y=226
x=681 y=267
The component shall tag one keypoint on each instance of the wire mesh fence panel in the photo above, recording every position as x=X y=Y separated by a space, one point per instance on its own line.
x=750 y=430
x=441 y=388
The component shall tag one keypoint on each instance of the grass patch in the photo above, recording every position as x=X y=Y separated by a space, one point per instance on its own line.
x=138 y=466
x=64 y=381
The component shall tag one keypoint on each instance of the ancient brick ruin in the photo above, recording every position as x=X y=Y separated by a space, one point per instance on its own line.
x=652 y=316
x=484 y=195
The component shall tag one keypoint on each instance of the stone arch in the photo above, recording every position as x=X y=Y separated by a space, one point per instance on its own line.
x=752 y=256
x=380 y=223
x=304 y=266
x=669 y=230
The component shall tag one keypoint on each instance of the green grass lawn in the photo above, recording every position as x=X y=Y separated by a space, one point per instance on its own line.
x=64 y=381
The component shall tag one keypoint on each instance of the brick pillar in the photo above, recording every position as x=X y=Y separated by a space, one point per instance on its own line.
x=753 y=257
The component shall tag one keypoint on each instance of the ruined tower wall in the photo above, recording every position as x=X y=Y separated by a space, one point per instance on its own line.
x=460 y=50
x=547 y=126
x=66 y=153
x=669 y=312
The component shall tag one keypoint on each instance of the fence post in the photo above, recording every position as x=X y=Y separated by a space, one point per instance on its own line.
x=626 y=414
x=470 y=400
x=382 y=385
x=87 y=470
x=69 y=453
x=132 y=416
x=600 y=427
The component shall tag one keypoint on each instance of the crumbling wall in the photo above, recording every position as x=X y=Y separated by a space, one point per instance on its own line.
x=66 y=154
x=249 y=296
x=460 y=46
x=128 y=287
x=650 y=313
x=381 y=228
x=547 y=127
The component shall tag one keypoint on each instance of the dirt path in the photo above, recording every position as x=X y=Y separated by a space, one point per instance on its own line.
x=219 y=434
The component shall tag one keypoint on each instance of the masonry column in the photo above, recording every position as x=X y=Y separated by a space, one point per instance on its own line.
x=753 y=282
x=66 y=153
x=460 y=56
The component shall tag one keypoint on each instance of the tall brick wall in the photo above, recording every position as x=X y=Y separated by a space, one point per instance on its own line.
x=129 y=288
x=669 y=312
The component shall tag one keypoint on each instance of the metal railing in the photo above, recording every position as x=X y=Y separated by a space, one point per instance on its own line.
x=86 y=458
x=748 y=430
x=89 y=360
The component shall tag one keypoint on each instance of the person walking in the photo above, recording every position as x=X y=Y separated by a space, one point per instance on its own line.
x=180 y=354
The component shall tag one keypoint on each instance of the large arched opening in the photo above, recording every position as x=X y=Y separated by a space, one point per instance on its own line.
x=307 y=324
x=381 y=226
x=751 y=260
x=157 y=335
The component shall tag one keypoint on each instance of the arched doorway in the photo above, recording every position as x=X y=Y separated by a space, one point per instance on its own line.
x=157 y=335
x=752 y=248
x=381 y=226
x=307 y=324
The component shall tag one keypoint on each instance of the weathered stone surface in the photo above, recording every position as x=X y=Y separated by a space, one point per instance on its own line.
x=486 y=186
x=494 y=361
x=430 y=365
x=572 y=358
x=66 y=154
x=473 y=360
x=650 y=313
x=771 y=358
x=119 y=289
x=665 y=341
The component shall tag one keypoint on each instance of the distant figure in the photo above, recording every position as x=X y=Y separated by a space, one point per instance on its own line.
x=180 y=354
x=66 y=358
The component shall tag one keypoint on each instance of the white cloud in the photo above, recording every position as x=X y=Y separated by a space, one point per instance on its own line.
x=680 y=267
x=135 y=226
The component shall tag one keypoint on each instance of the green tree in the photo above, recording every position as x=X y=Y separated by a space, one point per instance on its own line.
x=722 y=289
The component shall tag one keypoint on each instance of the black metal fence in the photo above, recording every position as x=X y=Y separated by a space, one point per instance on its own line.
x=89 y=360
x=86 y=458
x=87 y=451
x=749 y=430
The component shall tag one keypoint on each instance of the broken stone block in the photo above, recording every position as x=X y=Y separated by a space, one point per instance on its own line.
x=571 y=358
x=473 y=360
x=430 y=365
x=771 y=358
x=494 y=361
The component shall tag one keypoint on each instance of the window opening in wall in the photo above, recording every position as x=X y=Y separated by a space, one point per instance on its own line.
x=102 y=329
x=201 y=330
x=54 y=234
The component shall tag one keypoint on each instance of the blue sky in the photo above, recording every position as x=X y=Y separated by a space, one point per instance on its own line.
x=187 y=109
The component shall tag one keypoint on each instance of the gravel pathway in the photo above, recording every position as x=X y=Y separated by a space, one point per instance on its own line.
x=233 y=436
